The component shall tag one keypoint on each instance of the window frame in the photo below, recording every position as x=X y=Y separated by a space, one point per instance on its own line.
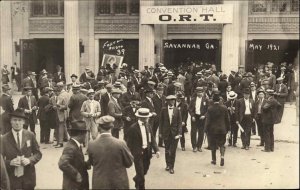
x=60 y=11
x=112 y=9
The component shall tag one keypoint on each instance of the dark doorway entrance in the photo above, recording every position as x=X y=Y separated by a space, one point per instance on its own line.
x=259 y=52
x=184 y=52
x=39 y=54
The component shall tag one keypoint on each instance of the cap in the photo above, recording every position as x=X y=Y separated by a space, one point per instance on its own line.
x=44 y=72
x=261 y=90
x=105 y=120
x=252 y=84
x=216 y=98
x=117 y=84
x=27 y=88
x=116 y=91
x=18 y=113
x=160 y=87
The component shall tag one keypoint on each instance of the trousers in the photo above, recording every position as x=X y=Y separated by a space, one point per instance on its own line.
x=170 y=150
x=197 y=132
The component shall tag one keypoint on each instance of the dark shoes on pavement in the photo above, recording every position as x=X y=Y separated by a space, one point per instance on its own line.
x=247 y=148
x=182 y=148
x=59 y=146
x=199 y=149
x=167 y=168
x=222 y=162
x=234 y=145
x=213 y=162
x=194 y=149
x=171 y=171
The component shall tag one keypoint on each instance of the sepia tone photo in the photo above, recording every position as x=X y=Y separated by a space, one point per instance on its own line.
x=149 y=94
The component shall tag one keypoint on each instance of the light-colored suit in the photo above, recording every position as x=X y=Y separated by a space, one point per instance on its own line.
x=62 y=113
x=87 y=108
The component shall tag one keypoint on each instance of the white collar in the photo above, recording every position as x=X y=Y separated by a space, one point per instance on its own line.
x=15 y=132
x=141 y=123
x=78 y=144
x=149 y=99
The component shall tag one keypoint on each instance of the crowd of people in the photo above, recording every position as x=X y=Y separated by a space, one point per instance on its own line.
x=151 y=106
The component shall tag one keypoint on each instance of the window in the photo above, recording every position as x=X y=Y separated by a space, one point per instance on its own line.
x=295 y=6
x=176 y=2
x=54 y=8
x=130 y=7
x=280 y=5
x=259 y=6
x=195 y=2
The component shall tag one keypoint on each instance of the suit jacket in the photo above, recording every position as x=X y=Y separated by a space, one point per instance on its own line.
x=52 y=113
x=75 y=104
x=158 y=103
x=114 y=109
x=270 y=111
x=241 y=108
x=135 y=141
x=109 y=157
x=86 y=109
x=104 y=103
x=256 y=105
x=6 y=103
x=128 y=112
x=62 y=103
x=127 y=97
x=170 y=89
x=167 y=127
x=231 y=111
x=59 y=77
x=203 y=106
x=30 y=149
x=23 y=104
x=27 y=82
x=71 y=163
x=42 y=103
x=217 y=120
x=147 y=104
x=281 y=93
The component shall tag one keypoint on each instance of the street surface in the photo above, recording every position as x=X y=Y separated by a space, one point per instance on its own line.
x=243 y=169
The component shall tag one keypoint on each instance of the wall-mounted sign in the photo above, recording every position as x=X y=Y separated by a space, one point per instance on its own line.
x=187 y=14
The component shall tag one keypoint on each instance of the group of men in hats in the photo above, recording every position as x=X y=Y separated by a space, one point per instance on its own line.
x=154 y=104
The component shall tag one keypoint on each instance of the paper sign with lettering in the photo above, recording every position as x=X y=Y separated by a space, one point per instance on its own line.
x=187 y=14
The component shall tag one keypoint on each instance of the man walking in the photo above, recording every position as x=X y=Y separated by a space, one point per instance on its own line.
x=231 y=106
x=109 y=157
x=170 y=131
x=71 y=162
x=7 y=105
x=197 y=109
x=21 y=152
x=141 y=142
x=217 y=125
x=115 y=110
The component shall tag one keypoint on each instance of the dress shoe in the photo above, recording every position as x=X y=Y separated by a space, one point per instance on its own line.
x=260 y=145
x=194 y=149
x=183 y=149
x=167 y=168
x=247 y=148
x=243 y=147
x=234 y=145
x=49 y=142
x=199 y=149
x=272 y=150
x=213 y=162
x=208 y=148
x=171 y=171
x=59 y=146
x=229 y=144
x=266 y=150
x=222 y=162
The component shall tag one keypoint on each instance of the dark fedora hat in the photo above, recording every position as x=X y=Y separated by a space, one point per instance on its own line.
x=78 y=126
x=27 y=88
x=246 y=91
x=73 y=75
x=18 y=113
x=216 y=98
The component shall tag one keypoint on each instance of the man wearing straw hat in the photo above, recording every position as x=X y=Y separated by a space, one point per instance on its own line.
x=71 y=162
x=231 y=106
x=141 y=142
x=109 y=157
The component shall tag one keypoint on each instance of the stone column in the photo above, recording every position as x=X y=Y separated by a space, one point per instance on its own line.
x=244 y=10
x=231 y=40
x=146 y=41
x=6 y=42
x=92 y=37
x=71 y=38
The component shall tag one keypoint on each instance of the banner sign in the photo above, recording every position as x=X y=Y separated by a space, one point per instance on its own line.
x=187 y=14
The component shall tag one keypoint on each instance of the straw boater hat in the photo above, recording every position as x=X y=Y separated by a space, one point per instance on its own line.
x=232 y=95
x=151 y=82
x=116 y=91
x=171 y=97
x=143 y=112
x=199 y=89
x=279 y=79
x=177 y=84
x=270 y=91
x=90 y=91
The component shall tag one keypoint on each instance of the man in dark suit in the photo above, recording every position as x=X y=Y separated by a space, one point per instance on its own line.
x=71 y=162
x=170 y=130
x=217 y=125
x=43 y=116
x=129 y=116
x=59 y=76
x=269 y=118
x=245 y=117
x=105 y=99
x=75 y=103
x=184 y=108
x=281 y=92
x=159 y=101
x=115 y=110
x=7 y=105
x=197 y=109
x=28 y=104
x=141 y=142
x=20 y=152
x=109 y=157
x=259 y=103
x=130 y=95
x=148 y=103
x=231 y=106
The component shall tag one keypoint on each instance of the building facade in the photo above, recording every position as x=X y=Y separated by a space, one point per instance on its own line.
x=78 y=34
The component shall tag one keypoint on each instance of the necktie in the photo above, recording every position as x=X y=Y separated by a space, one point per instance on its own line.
x=279 y=88
x=18 y=139
x=29 y=102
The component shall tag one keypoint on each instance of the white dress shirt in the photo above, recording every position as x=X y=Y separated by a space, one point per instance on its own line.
x=198 y=104
x=170 y=113
x=144 y=134
x=253 y=94
x=247 y=105
x=78 y=144
x=16 y=137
